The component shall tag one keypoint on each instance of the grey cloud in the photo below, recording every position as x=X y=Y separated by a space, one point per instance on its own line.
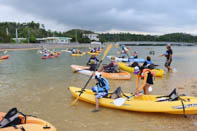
x=103 y=15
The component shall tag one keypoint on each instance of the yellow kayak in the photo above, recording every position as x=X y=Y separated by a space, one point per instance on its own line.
x=79 y=54
x=123 y=66
x=143 y=103
x=31 y=124
x=93 y=53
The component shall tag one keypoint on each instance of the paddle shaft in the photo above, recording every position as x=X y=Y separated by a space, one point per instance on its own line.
x=105 y=53
x=124 y=51
x=89 y=80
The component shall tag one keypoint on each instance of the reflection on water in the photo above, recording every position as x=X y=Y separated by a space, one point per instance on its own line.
x=40 y=87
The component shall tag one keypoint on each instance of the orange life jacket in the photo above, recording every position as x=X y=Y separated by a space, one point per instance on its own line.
x=147 y=70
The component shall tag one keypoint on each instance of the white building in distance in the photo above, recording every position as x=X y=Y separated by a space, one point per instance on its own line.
x=65 y=40
x=91 y=36
x=19 y=40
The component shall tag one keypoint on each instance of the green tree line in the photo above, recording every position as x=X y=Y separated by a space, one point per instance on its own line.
x=32 y=30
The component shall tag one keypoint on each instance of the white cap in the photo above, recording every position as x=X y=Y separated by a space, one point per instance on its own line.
x=136 y=70
x=98 y=75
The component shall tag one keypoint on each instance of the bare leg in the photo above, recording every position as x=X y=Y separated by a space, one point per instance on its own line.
x=146 y=89
x=97 y=103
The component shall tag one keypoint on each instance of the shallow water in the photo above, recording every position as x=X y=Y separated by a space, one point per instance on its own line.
x=40 y=88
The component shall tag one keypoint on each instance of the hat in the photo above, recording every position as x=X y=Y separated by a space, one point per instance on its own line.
x=136 y=70
x=98 y=76
x=113 y=58
x=168 y=44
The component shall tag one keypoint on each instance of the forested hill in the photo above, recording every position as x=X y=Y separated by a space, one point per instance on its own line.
x=174 y=37
x=32 y=30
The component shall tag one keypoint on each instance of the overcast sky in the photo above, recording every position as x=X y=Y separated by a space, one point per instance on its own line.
x=140 y=16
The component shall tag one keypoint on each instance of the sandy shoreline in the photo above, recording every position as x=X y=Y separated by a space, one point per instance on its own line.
x=35 y=46
x=188 y=87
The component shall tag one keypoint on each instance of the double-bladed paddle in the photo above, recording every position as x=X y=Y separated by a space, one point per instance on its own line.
x=82 y=90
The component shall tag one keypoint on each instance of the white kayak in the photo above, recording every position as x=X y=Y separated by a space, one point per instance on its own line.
x=131 y=59
x=115 y=76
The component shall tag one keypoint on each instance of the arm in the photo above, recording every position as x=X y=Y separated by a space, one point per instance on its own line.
x=162 y=55
x=109 y=65
x=97 y=60
x=137 y=83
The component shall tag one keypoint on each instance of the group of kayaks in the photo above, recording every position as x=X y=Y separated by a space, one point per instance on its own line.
x=53 y=55
x=89 y=53
x=172 y=104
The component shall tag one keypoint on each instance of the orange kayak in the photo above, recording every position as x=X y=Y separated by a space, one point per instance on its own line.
x=31 y=124
x=4 y=57
x=115 y=76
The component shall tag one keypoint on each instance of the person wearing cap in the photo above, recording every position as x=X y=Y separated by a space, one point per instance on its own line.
x=111 y=67
x=147 y=75
x=101 y=89
x=93 y=57
x=168 y=56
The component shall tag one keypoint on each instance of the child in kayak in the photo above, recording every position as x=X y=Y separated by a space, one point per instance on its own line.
x=135 y=55
x=93 y=57
x=92 y=65
x=111 y=67
x=101 y=89
x=147 y=75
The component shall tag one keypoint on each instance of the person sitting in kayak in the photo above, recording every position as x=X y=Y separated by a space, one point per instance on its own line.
x=92 y=65
x=147 y=75
x=135 y=55
x=102 y=87
x=111 y=67
x=73 y=51
x=123 y=55
x=93 y=57
x=147 y=62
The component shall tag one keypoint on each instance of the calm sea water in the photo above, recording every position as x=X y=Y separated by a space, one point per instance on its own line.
x=40 y=88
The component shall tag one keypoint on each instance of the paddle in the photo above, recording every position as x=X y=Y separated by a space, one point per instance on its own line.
x=121 y=101
x=82 y=90
x=117 y=46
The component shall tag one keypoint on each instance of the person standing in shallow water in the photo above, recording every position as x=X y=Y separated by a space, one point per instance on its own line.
x=168 y=56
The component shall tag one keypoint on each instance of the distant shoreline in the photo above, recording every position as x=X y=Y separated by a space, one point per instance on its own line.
x=34 y=46
x=37 y=46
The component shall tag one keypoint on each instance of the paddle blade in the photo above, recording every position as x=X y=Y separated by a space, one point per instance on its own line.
x=75 y=101
x=116 y=45
x=119 y=101
x=107 y=50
